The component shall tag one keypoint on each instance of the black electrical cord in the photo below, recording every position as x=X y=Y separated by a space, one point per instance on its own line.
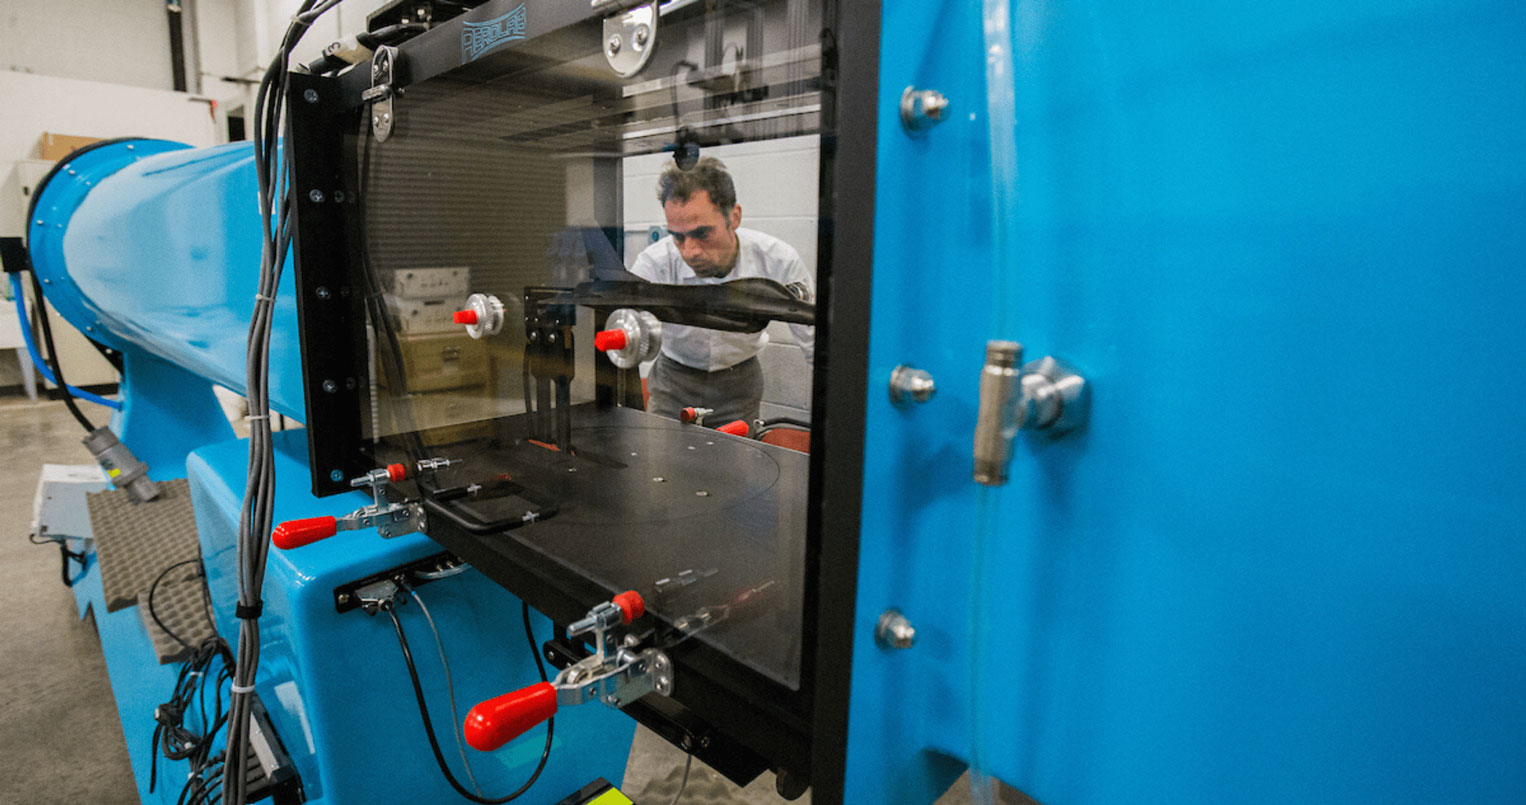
x=154 y=588
x=172 y=737
x=434 y=743
x=64 y=557
x=58 y=372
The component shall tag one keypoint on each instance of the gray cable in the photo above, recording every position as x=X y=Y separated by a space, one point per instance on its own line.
x=450 y=687
x=684 y=783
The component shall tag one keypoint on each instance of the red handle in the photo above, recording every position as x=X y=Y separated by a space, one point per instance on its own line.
x=687 y=415
x=296 y=533
x=630 y=604
x=396 y=472
x=609 y=339
x=737 y=428
x=495 y=722
x=465 y=317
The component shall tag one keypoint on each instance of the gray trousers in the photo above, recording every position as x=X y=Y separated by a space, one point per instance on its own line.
x=733 y=393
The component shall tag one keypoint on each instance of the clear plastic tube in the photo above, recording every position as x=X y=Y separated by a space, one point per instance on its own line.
x=1001 y=120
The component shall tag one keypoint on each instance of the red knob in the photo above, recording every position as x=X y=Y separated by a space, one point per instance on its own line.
x=609 y=339
x=737 y=428
x=688 y=415
x=396 y=472
x=465 y=317
x=495 y=722
x=296 y=533
x=630 y=604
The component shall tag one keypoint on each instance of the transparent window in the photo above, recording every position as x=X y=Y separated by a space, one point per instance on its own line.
x=517 y=201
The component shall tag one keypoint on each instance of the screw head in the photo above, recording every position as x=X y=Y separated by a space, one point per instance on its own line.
x=375 y=120
x=315 y=195
x=311 y=96
x=643 y=33
x=612 y=47
x=336 y=475
x=330 y=386
x=338 y=195
x=894 y=631
x=323 y=292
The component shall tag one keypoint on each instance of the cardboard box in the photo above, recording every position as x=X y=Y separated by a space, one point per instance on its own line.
x=53 y=147
x=438 y=362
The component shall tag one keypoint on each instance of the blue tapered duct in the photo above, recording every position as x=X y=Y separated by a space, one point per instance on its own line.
x=153 y=247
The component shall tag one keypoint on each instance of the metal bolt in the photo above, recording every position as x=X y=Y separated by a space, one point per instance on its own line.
x=349 y=383
x=702 y=493
x=338 y=196
x=386 y=118
x=71 y=171
x=344 y=598
x=336 y=475
x=315 y=195
x=613 y=45
x=921 y=109
x=551 y=337
x=39 y=222
x=324 y=292
x=375 y=120
x=311 y=96
x=894 y=631
x=330 y=386
x=909 y=384
x=643 y=33
x=659 y=479
x=129 y=148
x=704 y=741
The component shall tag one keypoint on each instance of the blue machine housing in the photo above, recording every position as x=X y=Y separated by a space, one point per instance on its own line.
x=1283 y=561
x=153 y=248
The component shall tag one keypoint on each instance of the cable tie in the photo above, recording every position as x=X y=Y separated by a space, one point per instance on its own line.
x=256 y=416
x=259 y=297
x=241 y=688
x=248 y=613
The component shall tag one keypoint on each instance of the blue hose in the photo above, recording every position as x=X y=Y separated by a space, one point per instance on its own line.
x=31 y=348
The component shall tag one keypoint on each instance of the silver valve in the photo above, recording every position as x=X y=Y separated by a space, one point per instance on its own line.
x=616 y=673
x=432 y=464
x=1044 y=395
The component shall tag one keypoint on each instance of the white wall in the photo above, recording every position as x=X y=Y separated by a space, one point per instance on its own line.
x=113 y=41
x=34 y=104
x=777 y=186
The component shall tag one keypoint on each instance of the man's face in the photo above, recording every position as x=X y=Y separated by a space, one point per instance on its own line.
x=705 y=237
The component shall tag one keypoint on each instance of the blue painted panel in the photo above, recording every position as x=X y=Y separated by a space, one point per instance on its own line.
x=1284 y=560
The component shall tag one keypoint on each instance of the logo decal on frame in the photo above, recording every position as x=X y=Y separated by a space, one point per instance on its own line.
x=478 y=38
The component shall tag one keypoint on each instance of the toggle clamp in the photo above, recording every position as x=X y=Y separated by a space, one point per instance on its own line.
x=390 y=519
x=616 y=673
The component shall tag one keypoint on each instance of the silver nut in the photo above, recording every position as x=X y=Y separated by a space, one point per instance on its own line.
x=894 y=631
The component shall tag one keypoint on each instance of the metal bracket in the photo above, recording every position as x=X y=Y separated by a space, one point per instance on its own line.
x=382 y=92
x=629 y=39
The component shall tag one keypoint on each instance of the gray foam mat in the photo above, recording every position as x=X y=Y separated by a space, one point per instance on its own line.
x=181 y=604
x=135 y=542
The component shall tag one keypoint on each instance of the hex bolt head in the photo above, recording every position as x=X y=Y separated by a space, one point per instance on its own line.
x=894 y=631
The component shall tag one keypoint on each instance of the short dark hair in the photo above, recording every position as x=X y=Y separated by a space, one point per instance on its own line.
x=709 y=175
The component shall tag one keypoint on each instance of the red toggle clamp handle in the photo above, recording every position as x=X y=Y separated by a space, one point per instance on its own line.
x=296 y=533
x=606 y=340
x=737 y=428
x=497 y=721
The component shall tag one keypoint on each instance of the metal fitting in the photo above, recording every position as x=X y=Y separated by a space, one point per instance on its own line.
x=921 y=109
x=894 y=631
x=909 y=384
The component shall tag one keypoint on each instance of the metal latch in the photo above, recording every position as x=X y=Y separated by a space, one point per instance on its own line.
x=629 y=38
x=382 y=92
x=1045 y=395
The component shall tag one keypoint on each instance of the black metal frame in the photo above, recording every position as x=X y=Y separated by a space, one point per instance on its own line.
x=803 y=733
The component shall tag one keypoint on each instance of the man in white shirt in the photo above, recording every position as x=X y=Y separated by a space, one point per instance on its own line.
x=706 y=245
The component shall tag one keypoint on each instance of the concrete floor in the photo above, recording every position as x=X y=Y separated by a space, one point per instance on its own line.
x=59 y=734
